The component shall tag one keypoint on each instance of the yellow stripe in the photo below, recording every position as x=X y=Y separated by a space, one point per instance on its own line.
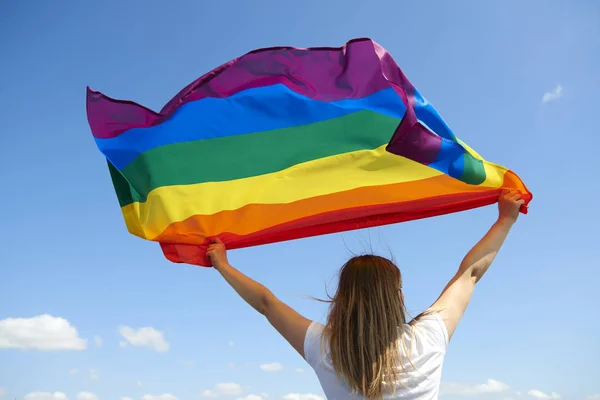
x=327 y=175
x=132 y=221
x=494 y=175
x=470 y=150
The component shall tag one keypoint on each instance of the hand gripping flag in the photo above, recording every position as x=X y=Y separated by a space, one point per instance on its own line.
x=283 y=143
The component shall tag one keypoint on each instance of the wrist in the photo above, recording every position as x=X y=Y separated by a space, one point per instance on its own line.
x=221 y=266
x=506 y=221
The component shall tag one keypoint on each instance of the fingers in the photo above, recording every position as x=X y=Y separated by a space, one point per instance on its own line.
x=512 y=195
x=215 y=246
x=508 y=194
x=215 y=243
x=212 y=248
x=212 y=252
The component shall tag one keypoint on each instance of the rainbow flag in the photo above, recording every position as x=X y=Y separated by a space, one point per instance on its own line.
x=283 y=143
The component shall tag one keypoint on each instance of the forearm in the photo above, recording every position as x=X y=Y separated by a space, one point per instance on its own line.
x=251 y=291
x=478 y=260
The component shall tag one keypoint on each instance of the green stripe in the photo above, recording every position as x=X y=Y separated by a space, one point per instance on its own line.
x=474 y=171
x=242 y=156
x=125 y=192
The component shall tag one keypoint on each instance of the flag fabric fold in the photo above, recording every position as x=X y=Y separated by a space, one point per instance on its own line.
x=284 y=143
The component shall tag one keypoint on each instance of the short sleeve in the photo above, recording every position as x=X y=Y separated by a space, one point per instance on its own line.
x=312 y=343
x=432 y=329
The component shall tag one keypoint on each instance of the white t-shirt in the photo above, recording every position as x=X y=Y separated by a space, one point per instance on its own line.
x=426 y=339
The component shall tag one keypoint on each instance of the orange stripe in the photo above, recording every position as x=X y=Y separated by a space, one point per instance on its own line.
x=513 y=182
x=257 y=217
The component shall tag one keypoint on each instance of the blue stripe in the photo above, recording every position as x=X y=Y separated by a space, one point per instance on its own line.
x=450 y=159
x=253 y=110
x=431 y=118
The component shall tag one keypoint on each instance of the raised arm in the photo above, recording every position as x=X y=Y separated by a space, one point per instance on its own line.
x=290 y=324
x=455 y=297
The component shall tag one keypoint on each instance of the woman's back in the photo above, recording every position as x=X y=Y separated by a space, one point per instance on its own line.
x=423 y=345
x=366 y=345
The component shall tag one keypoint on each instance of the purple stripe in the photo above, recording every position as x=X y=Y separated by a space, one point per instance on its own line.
x=355 y=70
x=109 y=118
x=415 y=142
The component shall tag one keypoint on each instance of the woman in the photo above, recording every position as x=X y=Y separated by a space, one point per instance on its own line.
x=367 y=349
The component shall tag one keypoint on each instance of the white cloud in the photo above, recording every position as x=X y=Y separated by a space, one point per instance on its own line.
x=543 y=396
x=298 y=396
x=264 y=395
x=555 y=94
x=94 y=374
x=144 y=337
x=251 y=397
x=2 y=392
x=73 y=371
x=165 y=396
x=272 y=367
x=300 y=370
x=223 y=389
x=593 y=397
x=87 y=396
x=43 y=332
x=98 y=341
x=46 y=396
x=464 y=389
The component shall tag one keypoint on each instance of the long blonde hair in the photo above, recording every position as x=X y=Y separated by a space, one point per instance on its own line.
x=362 y=328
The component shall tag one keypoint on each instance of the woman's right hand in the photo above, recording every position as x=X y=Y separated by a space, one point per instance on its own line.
x=217 y=253
x=509 y=205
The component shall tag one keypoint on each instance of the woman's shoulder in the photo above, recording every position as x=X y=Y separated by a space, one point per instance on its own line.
x=430 y=328
x=314 y=333
x=313 y=342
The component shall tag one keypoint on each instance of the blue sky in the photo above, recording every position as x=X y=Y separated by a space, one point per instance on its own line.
x=533 y=322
